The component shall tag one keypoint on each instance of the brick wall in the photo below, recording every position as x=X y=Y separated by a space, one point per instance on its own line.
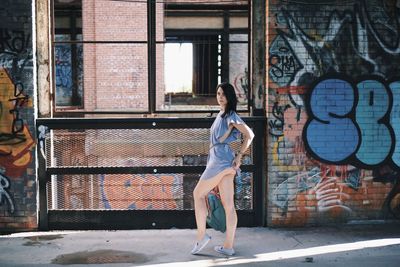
x=17 y=168
x=332 y=117
x=116 y=74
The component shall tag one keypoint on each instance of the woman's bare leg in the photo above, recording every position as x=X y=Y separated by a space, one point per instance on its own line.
x=203 y=187
x=226 y=190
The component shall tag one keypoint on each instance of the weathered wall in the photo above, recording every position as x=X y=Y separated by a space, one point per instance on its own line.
x=333 y=120
x=333 y=111
x=43 y=58
x=17 y=168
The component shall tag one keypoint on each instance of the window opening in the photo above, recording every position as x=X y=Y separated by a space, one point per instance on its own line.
x=168 y=57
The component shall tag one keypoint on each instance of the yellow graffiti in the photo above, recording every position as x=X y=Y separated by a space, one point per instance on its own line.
x=275 y=154
x=15 y=137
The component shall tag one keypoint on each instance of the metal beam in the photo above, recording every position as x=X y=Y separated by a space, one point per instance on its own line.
x=258 y=52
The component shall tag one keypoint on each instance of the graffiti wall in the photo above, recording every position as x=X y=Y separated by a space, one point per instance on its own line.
x=333 y=111
x=238 y=72
x=145 y=191
x=17 y=170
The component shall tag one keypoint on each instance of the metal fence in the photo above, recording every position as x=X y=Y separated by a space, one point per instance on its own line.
x=134 y=173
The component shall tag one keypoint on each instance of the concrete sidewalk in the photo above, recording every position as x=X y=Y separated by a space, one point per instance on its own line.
x=346 y=245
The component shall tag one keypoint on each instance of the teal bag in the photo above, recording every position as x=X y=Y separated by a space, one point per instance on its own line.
x=216 y=213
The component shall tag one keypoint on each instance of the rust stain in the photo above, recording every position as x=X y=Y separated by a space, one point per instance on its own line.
x=37 y=240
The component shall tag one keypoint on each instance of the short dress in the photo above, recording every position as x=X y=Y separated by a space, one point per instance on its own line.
x=221 y=155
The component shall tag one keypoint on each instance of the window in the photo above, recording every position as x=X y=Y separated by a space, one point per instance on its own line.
x=139 y=56
x=68 y=58
x=178 y=68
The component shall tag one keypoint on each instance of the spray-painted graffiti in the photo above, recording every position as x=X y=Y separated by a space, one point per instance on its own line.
x=63 y=66
x=15 y=53
x=15 y=137
x=329 y=191
x=323 y=184
x=283 y=62
x=321 y=54
x=354 y=123
x=301 y=182
x=13 y=41
x=42 y=130
x=68 y=72
x=311 y=56
x=241 y=85
x=4 y=195
x=285 y=125
x=140 y=191
x=276 y=124
x=14 y=63
x=350 y=123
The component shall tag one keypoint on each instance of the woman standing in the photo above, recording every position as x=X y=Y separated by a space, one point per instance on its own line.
x=222 y=165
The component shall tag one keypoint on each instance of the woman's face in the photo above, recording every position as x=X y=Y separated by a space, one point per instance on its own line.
x=221 y=98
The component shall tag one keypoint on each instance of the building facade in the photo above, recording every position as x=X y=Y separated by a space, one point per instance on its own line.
x=324 y=82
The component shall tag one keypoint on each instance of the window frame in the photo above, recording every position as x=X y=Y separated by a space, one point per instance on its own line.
x=151 y=56
x=73 y=32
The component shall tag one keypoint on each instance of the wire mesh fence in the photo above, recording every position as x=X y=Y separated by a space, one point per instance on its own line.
x=167 y=191
x=130 y=147
x=85 y=150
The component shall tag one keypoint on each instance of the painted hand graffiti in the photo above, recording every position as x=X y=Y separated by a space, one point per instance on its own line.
x=329 y=195
x=327 y=186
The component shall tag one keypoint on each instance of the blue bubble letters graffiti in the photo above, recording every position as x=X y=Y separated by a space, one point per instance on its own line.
x=354 y=122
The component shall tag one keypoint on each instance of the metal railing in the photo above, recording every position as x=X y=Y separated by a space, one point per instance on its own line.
x=135 y=173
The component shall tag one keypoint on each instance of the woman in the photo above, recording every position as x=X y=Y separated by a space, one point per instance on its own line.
x=222 y=165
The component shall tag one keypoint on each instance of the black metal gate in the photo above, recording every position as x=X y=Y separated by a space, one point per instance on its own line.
x=135 y=173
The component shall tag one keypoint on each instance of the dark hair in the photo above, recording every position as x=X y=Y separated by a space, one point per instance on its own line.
x=230 y=95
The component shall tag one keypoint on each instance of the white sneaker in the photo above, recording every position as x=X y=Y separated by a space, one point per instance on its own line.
x=225 y=251
x=200 y=245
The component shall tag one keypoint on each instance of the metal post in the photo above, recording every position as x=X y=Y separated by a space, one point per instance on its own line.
x=225 y=48
x=42 y=177
x=151 y=54
x=259 y=181
x=258 y=56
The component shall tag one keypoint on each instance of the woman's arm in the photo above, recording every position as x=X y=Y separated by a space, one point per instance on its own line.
x=248 y=136
x=226 y=134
